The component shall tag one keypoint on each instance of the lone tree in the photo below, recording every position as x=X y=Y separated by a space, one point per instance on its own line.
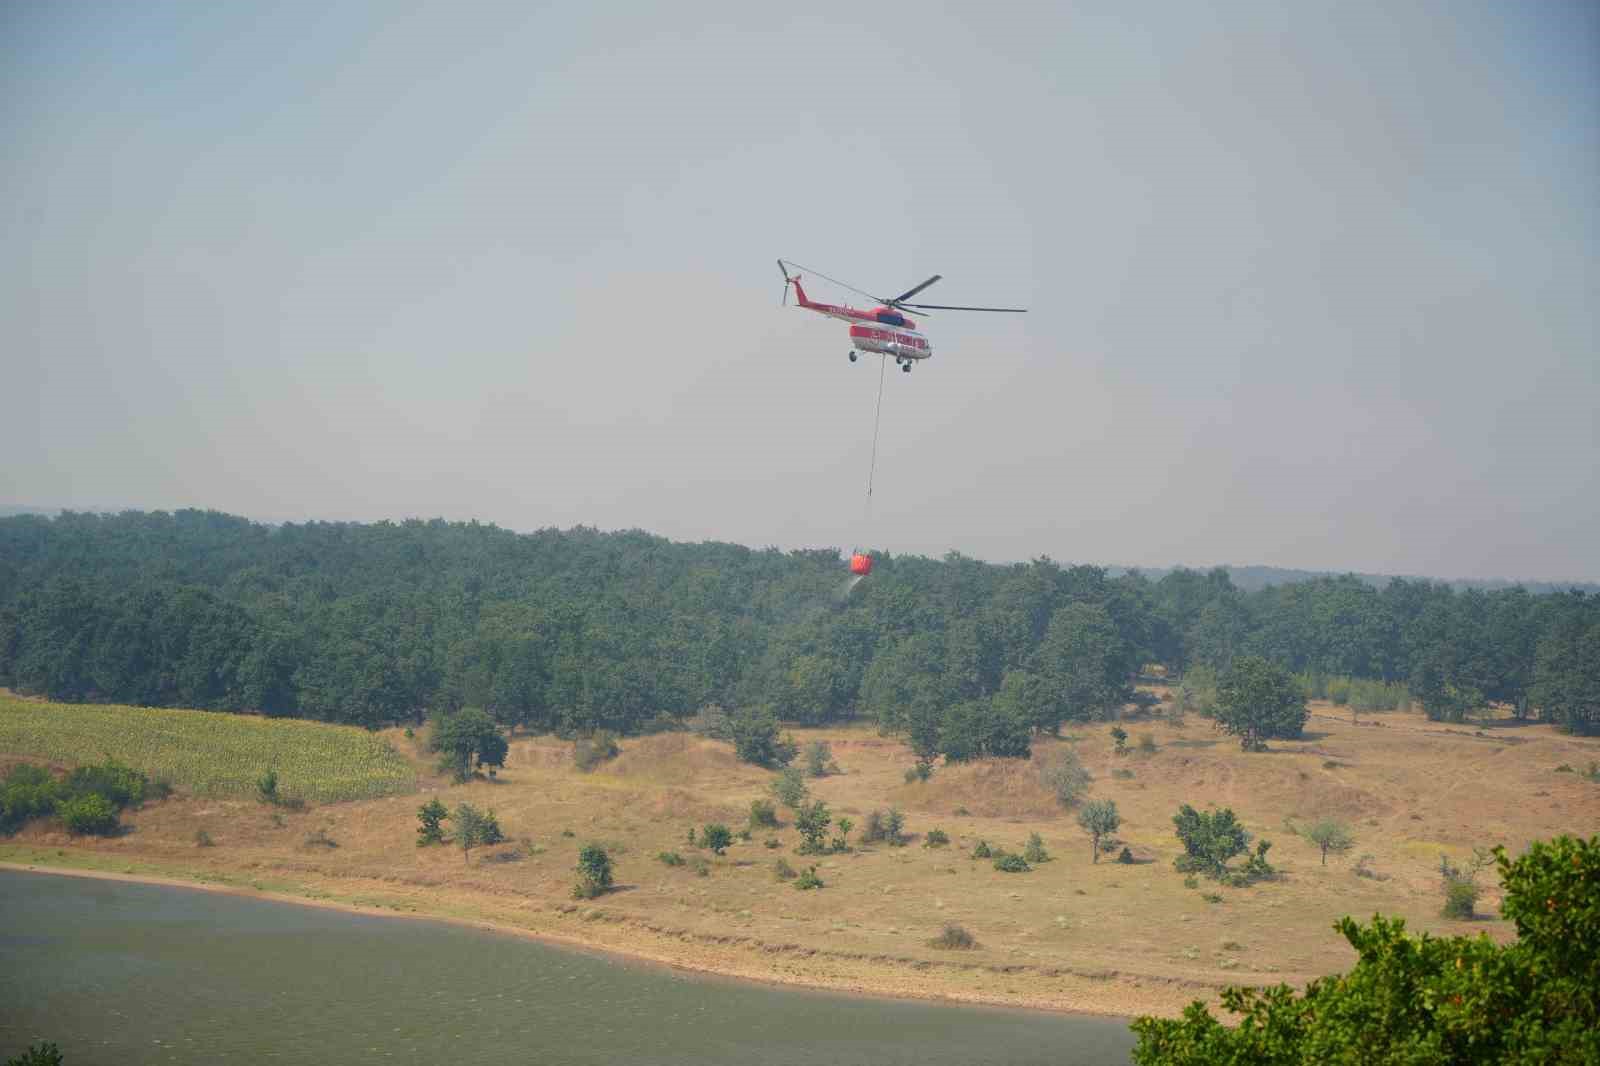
x=1257 y=701
x=1425 y=999
x=812 y=820
x=1099 y=818
x=472 y=829
x=594 y=872
x=755 y=737
x=1330 y=836
x=1209 y=839
x=466 y=737
x=431 y=814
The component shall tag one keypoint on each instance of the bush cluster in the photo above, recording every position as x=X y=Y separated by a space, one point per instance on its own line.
x=88 y=800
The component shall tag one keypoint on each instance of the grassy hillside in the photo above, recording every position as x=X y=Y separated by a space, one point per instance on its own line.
x=1113 y=937
x=209 y=753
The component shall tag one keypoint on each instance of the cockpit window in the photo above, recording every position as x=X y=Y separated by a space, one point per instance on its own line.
x=892 y=318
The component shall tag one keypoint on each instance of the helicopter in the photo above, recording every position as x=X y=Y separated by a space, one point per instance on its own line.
x=884 y=330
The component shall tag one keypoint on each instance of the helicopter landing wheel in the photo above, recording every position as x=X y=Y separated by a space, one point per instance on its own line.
x=852 y=357
x=905 y=368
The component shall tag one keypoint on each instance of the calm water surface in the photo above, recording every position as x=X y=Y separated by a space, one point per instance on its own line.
x=127 y=973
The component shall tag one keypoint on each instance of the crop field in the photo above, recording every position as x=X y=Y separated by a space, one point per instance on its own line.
x=210 y=753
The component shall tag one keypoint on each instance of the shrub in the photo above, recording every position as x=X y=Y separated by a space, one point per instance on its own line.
x=935 y=838
x=1119 y=740
x=1147 y=744
x=872 y=830
x=88 y=815
x=121 y=786
x=1063 y=774
x=267 y=787
x=432 y=815
x=842 y=841
x=808 y=879
x=1211 y=897
x=790 y=788
x=716 y=837
x=670 y=858
x=763 y=813
x=594 y=872
x=1008 y=863
x=893 y=825
x=782 y=870
x=590 y=751
x=772 y=842
x=202 y=839
x=1460 y=899
x=819 y=759
x=954 y=938
x=1034 y=851
x=1191 y=881
x=1126 y=858
x=754 y=731
x=700 y=866
x=1122 y=774
x=811 y=821
x=982 y=850
x=920 y=770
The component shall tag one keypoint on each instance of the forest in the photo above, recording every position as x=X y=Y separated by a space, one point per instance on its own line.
x=577 y=630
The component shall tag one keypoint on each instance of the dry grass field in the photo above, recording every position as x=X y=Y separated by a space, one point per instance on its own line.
x=1113 y=938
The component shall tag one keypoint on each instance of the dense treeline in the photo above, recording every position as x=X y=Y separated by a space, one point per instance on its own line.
x=581 y=630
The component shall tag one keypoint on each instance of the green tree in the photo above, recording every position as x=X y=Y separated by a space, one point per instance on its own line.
x=466 y=737
x=1084 y=662
x=90 y=814
x=1257 y=701
x=1210 y=839
x=811 y=820
x=716 y=837
x=1330 y=835
x=1423 y=1000
x=594 y=872
x=1099 y=818
x=755 y=737
x=473 y=828
x=789 y=788
x=432 y=815
x=1566 y=676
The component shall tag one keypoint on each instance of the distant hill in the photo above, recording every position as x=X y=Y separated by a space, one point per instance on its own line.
x=1256 y=578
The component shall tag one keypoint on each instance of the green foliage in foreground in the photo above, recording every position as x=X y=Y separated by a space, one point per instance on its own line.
x=42 y=1054
x=87 y=800
x=211 y=753
x=1424 y=1000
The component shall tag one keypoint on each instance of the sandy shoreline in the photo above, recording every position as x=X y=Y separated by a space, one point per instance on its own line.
x=861 y=987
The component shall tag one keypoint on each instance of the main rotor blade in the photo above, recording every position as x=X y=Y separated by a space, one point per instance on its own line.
x=836 y=281
x=909 y=293
x=950 y=307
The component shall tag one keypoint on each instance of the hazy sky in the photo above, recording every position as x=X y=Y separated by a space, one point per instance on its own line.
x=1311 y=285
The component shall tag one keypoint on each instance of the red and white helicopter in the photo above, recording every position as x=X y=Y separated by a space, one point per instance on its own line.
x=885 y=329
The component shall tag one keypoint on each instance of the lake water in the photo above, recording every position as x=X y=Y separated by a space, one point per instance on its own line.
x=125 y=973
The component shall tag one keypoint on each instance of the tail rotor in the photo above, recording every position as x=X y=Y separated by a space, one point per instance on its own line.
x=786 y=280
